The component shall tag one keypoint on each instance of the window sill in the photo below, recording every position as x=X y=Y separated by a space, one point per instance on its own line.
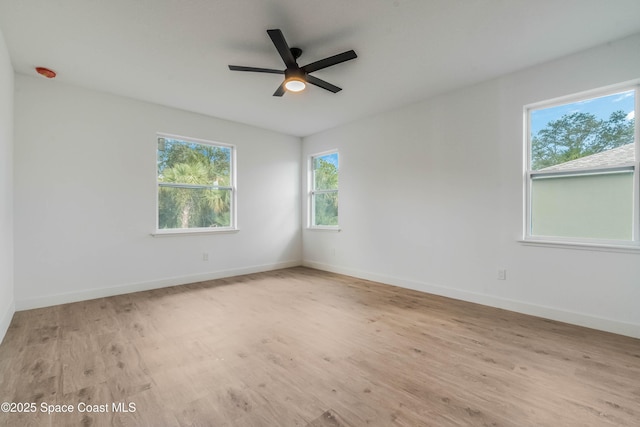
x=336 y=229
x=199 y=231
x=602 y=247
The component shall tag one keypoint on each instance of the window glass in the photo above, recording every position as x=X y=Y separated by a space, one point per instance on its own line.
x=325 y=172
x=324 y=192
x=598 y=206
x=569 y=136
x=195 y=188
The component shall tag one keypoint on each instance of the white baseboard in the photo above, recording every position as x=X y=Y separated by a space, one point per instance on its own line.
x=574 y=318
x=64 y=298
x=5 y=319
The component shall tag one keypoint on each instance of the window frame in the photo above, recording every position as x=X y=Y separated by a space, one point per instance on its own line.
x=530 y=175
x=313 y=192
x=232 y=187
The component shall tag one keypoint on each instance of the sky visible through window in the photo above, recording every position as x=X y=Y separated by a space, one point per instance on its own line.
x=601 y=107
x=330 y=158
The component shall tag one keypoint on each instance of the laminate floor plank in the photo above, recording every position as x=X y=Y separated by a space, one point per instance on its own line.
x=82 y=361
x=301 y=347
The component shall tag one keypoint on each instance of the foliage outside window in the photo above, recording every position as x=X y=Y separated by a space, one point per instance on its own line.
x=324 y=190
x=195 y=185
x=582 y=168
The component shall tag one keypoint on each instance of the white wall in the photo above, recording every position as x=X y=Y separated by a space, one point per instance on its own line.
x=85 y=188
x=431 y=198
x=7 y=306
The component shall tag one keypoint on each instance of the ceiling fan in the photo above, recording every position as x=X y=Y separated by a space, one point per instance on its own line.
x=296 y=77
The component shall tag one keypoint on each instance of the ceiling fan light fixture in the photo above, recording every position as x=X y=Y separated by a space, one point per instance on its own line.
x=295 y=84
x=295 y=76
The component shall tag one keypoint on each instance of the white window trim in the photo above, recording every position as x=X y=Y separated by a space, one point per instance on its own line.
x=311 y=192
x=630 y=246
x=233 y=228
x=585 y=246
x=193 y=231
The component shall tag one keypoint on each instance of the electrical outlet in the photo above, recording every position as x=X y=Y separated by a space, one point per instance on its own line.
x=502 y=274
x=205 y=256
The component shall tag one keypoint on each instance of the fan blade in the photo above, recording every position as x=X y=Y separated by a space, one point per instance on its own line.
x=257 y=70
x=328 y=62
x=321 y=83
x=283 y=48
x=280 y=91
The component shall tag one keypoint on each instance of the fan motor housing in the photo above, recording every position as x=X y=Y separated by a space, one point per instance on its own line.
x=290 y=73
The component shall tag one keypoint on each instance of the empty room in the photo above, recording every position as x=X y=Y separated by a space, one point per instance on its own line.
x=319 y=213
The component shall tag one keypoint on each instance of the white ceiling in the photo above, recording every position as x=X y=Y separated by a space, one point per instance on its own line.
x=176 y=52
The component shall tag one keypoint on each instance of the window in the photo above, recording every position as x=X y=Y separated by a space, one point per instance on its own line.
x=582 y=169
x=324 y=190
x=196 y=185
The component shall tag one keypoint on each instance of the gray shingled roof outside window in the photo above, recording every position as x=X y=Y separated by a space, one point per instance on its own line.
x=622 y=155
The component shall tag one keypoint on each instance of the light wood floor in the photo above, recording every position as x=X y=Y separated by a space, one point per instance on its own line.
x=299 y=347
